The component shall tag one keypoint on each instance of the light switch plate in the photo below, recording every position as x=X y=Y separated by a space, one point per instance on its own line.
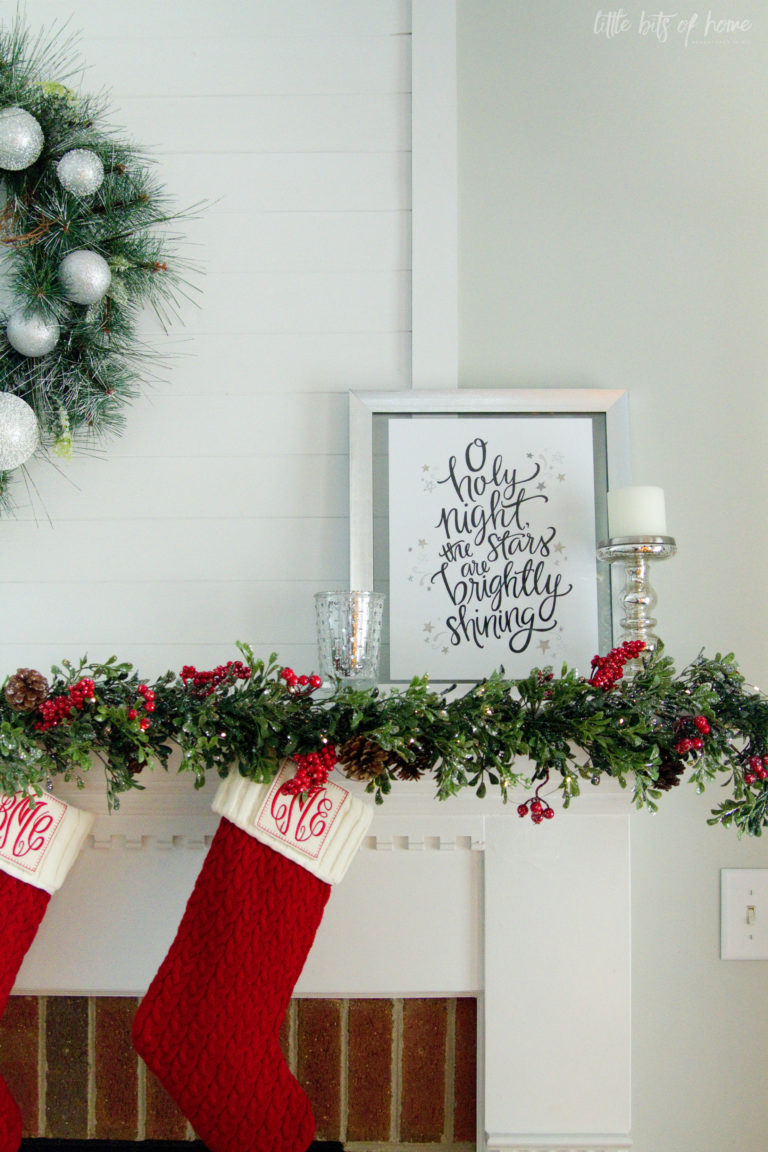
x=744 y=914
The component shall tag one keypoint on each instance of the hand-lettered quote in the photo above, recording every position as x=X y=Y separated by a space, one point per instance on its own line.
x=491 y=545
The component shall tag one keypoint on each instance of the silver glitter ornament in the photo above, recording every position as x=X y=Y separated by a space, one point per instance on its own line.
x=21 y=139
x=31 y=333
x=85 y=276
x=80 y=171
x=19 y=434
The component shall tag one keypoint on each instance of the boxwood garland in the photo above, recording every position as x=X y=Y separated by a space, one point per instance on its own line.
x=78 y=390
x=247 y=716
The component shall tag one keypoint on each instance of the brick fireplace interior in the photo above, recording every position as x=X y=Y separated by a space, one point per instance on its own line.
x=380 y=1073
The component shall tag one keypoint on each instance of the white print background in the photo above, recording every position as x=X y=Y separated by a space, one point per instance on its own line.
x=534 y=481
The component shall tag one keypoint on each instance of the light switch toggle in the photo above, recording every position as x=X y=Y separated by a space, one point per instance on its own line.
x=751 y=914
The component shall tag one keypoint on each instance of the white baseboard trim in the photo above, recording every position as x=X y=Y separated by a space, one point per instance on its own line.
x=507 y=1142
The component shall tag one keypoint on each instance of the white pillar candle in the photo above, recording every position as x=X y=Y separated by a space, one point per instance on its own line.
x=636 y=511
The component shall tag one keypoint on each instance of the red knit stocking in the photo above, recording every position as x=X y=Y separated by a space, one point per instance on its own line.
x=208 y=1026
x=38 y=846
x=23 y=907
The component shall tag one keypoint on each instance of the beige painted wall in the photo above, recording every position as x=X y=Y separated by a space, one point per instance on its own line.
x=613 y=234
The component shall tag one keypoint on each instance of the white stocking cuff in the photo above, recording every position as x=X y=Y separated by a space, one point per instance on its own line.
x=321 y=833
x=40 y=843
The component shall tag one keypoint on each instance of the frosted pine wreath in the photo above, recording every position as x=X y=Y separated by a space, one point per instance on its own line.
x=248 y=717
x=80 y=210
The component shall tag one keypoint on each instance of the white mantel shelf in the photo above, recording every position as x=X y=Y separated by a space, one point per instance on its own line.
x=169 y=813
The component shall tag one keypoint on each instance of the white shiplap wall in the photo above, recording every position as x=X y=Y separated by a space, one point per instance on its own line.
x=223 y=507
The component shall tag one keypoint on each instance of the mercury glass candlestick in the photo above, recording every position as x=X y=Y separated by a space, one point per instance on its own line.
x=349 y=635
x=638 y=597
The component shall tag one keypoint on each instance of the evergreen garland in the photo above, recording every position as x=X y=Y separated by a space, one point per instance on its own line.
x=78 y=391
x=248 y=716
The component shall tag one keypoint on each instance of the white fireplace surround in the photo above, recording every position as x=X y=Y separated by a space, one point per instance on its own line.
x=445 y=898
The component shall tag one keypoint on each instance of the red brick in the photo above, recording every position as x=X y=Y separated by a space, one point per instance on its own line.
x=319 y=1062
x=116 y=1069
x=423 y=1071
x=369 y=1070
x=164 y=1119
x=66 y=1037
x=465 y=1073
x=19 y=1057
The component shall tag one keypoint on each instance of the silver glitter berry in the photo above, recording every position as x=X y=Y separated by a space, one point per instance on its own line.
x=21 y=139
x=85 y=276
x=31 y=333
x=80 y=171
x=18 y=431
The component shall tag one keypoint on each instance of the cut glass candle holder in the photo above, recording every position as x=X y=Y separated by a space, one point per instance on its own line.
x=349 y=635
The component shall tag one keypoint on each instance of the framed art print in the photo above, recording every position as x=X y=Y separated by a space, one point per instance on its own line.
x=478 y=514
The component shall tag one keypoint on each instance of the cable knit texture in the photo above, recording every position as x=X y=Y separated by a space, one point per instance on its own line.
x=208 y=1026
x=22 y=907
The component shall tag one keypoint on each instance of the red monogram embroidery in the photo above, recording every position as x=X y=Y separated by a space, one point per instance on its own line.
x=308 y=816
x=303 y=822
x=25 y=832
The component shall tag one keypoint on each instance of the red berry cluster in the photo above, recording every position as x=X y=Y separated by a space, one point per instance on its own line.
x=700 y=726
x=147 y=702
x=61 y=708
x=539 y=809
x=312 y=772
x=757 y=769
x=606 y=670
x=206 y=683
x=300 y=685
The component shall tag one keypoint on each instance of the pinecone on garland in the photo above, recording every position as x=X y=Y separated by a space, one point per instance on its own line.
x=413 y=769
x=670 y=773
x=361 y=759
x=26 y=690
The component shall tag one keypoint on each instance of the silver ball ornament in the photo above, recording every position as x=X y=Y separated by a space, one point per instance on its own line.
x=19 y=435
x=80 y=172
x=32 y=333
x=21 y=139
x=85 y=276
